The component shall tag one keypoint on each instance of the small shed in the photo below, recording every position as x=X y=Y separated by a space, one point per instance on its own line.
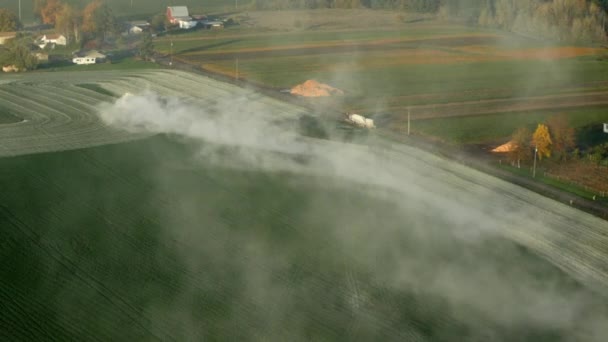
x=212 y=24
x=187 y=24
x=137 y=27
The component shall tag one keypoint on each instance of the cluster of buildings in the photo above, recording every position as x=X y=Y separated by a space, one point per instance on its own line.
x=176 y=15
x=179 y=15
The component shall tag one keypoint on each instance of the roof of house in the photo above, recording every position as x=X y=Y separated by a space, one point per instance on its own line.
x=178 y=11
x=7 y=34
x=54 y=36
x=90 y=54
x=139 y=23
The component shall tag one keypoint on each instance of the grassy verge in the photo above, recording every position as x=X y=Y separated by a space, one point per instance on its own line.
x=489 y=128
x=565 y=186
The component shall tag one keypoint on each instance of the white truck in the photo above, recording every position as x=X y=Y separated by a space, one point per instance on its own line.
x=360 y=121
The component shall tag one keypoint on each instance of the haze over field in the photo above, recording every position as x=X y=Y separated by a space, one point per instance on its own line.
x=474 y=214
x=158 y=204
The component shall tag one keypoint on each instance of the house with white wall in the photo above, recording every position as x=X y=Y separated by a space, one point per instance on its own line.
x=52 y=39
x=89 y=57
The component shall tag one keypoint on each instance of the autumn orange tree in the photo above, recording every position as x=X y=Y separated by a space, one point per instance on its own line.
x=521 y=150
x=8 y=20
x=68 y=22
x=562 y=135
x=541 y=139
x=48 y=10
x=98 y=19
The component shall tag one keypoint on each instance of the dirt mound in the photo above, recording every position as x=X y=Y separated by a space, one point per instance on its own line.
x=508 y=147
x=312 y=88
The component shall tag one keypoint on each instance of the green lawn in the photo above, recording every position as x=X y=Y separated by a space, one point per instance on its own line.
x=497 y=127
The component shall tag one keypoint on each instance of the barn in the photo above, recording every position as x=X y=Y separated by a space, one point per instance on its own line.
x=178 y=15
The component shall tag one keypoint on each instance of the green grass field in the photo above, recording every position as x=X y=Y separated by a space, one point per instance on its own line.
x=177 y=232
x=386 y=70
x=135 y=241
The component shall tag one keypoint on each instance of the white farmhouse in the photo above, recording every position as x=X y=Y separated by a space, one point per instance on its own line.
x=90 y=57
x=606 y=128
x=53 y=39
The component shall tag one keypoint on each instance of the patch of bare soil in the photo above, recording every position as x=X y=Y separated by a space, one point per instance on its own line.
x=312 y=88
x=508 y=147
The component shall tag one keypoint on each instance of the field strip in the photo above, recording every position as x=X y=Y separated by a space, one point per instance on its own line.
x=334 y=42
x=494 y=106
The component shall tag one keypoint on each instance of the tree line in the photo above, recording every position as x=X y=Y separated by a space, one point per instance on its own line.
x=78 y=23
x=555 y=138
x=412 y=5
x=562 y=20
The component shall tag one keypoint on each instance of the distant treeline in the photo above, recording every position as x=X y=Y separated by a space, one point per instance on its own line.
x=413 y=5
x=564 y=20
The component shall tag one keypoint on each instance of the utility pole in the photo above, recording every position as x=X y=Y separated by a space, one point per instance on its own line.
x=237 y=68
x=171 y=53
x=236 y=5
x=534 y=169
x=20 y=10
x=408 y=120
